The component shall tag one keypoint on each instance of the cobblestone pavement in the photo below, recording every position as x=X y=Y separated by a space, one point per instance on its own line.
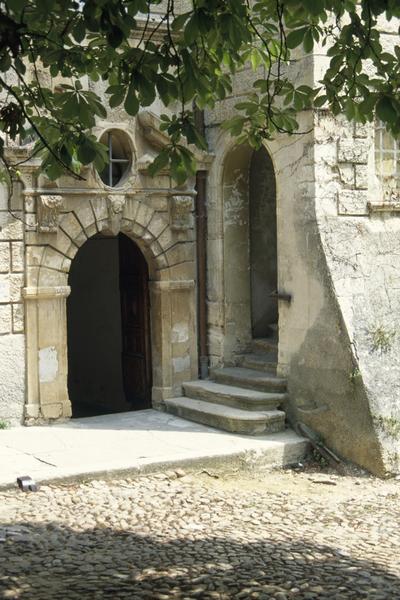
x=281 y=535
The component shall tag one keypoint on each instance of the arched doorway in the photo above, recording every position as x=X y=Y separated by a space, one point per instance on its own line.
x=263 y=245
x=250 y=264
x=109 y=355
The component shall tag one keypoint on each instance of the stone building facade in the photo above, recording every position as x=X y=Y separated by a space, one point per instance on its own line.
x=303 y=238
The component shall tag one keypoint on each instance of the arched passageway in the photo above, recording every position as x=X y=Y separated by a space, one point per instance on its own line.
x=250 y=267
x=263 y=244
x=109 y=358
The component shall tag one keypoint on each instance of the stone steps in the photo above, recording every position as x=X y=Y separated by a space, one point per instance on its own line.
x=244 y=399
x=225 y=417
x=265 y=345
x=249 y=379
x=232 y=396
x=260 y=362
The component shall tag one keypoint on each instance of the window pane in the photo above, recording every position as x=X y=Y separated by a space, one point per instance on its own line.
x=387 y=153
x=118 y=151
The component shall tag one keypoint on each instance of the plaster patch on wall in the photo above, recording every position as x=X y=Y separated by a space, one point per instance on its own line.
x=181 y=364
x=180 y=332
x=235 y=199
x=48 y=364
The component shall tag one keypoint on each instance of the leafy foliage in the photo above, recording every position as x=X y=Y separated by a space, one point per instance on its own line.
x=142 y=49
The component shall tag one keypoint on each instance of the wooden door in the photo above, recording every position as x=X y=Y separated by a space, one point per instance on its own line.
x=136 y=354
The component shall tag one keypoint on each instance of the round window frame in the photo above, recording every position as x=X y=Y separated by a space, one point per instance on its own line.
x=127 y=146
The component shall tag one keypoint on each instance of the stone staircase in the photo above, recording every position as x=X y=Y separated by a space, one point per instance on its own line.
x=245 y=399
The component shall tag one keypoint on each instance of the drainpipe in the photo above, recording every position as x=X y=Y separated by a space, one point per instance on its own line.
x=201 y=240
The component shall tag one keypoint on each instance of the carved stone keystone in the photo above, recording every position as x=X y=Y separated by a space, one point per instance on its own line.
x=116 y=204
x=49 y=207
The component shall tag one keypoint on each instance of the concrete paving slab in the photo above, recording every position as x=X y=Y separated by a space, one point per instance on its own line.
x=141 y=441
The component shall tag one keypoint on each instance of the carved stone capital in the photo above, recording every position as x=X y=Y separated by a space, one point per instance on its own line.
x=116 y=204
x=49 y=207
x=391 y=194
x=180 y=212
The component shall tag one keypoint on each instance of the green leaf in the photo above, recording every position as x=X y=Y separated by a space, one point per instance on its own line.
x=146 y=90
x=116 y=99
x=86 y=151
x=320 y=101
x=180 y=21
x=131 y=103
x=159 y=163
x=296 y=37
x=308 y=42
x=386 y=111
x=79 y=31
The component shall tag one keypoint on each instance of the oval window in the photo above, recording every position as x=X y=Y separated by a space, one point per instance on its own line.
x=119 y=156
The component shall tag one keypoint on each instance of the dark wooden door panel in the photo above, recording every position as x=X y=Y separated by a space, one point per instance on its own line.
x=136 y=358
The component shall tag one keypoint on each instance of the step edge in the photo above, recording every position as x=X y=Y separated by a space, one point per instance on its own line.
x=247 y=415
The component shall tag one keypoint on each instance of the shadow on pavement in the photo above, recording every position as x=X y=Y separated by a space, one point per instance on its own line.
x=45 y=562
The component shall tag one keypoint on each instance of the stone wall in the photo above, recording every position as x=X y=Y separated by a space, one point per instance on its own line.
x=12 y=351
x=57 y=219
x=360 y=238
x=338 y=258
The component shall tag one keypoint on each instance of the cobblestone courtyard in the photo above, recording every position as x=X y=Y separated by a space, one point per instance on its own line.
x=280 y=535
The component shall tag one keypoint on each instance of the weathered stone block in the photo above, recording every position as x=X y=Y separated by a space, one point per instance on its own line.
x=10 y=229
x=100 y=208
x=4 y=257
x=137 y=230
x=50 y=278
x=30 y=204
x=353 y=151
x=5 y=318
x=17 y=256
x=162 y=262
x=361 y=177
x=18 y=318
x=155 y=248
x=363 y=131
x=157 y=225
x=165 y=239
x=53 y=259
x=30 y=222
x=66 y=265
x=3 y=197
x=12 y=377
x=144 y=215
x=16 y=285
x=31 y=411
x=347 y=176
x=63 y=242
x=130 y=209
x=85 y=215
x=180 y=253
x=70 y=225
x=52 y=411
x=91 y=230
x=352 y=202
x=4 y=288
x=34 y=255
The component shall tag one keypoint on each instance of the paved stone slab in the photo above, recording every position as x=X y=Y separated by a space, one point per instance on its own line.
x=136 y=441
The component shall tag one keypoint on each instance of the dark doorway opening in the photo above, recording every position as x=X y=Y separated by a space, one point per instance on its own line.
x=109 y=353
x=263 y=246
